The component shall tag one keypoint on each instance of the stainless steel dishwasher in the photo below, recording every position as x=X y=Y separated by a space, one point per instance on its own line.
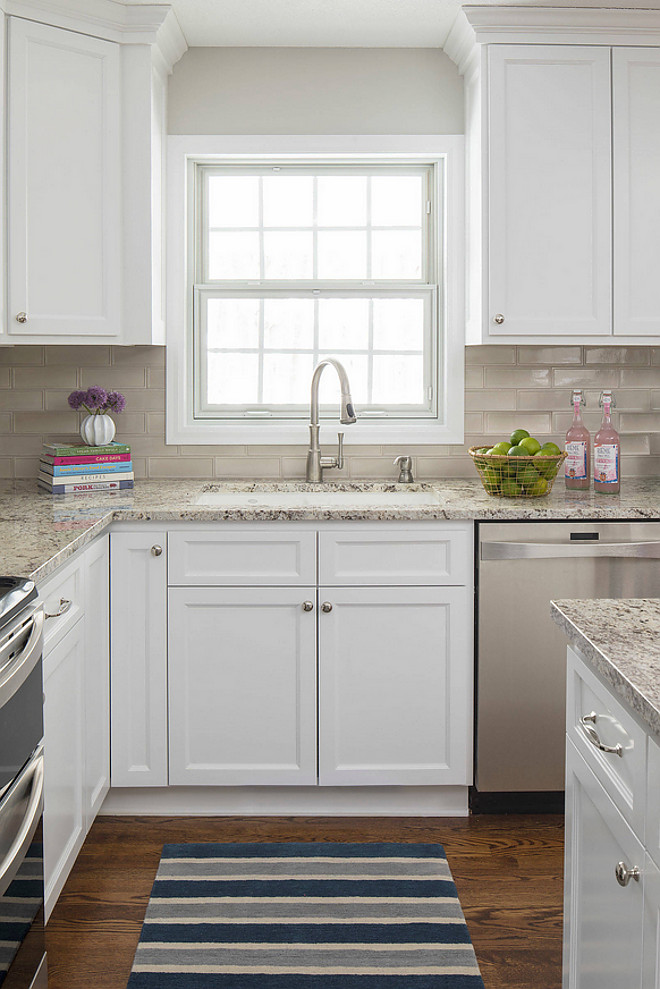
x=521 y=653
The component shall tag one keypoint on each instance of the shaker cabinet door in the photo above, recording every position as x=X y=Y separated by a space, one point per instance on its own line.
x=63 y=184
x=395 y=686
x=242 y=685
x=636 y=92
x=602 y=919
x=549 y=191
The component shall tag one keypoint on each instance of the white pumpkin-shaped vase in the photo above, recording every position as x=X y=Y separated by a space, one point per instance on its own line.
x=98 y=430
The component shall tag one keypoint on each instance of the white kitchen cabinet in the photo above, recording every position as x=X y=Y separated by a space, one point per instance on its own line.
x=603 y=920
x=64 y=759
x=64 y=205
x=549 y=191
x=636 y=144
x=138 y=684
x=651 y=934
x=242 y=685
x=395 y=675
x=97 y=677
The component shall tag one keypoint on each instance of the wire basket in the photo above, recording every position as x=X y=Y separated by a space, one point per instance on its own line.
x=516 y=477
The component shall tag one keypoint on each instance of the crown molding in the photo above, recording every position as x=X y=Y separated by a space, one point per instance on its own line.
x=135 y=24
x=563 y=25
x=461 y=42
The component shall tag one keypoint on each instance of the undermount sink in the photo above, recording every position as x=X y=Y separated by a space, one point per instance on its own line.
x=270 y=496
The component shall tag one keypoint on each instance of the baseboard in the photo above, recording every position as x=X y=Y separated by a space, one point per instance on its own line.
x=286 y=801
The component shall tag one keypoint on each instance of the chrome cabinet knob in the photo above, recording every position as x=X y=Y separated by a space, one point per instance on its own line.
x=308 y=606
x=326 y=607
x=156 y=550
x=624 y=874
x=498 y=318
x=21 y=317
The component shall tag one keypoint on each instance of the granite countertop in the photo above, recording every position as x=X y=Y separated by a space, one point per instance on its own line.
x=621 y=640
x=39 y=531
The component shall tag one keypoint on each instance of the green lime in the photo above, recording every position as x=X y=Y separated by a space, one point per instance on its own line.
x=518 y=451
x=540 y=488
x=527 y=475
x=510 y=489
x=491 y=478
x=501 y=448
x=531 y=445
x=550 y=449
x=546 y=468
x=483 y=449
x=517 y=435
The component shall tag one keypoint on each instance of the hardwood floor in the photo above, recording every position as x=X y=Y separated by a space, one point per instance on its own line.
x=508 y=871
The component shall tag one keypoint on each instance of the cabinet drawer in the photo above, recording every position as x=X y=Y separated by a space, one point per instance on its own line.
x=234 y=558
x=596 y=721
x=62 y=595
x=396 y=556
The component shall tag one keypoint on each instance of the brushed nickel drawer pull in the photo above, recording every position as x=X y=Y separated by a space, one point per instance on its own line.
x=587 y=723
x=308 y=606
x=65 y=606
x=156 y=550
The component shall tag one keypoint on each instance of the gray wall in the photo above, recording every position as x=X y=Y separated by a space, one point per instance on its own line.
x=315 y=91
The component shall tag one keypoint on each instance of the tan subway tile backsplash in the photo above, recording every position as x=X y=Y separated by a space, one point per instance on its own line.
x=506 y=387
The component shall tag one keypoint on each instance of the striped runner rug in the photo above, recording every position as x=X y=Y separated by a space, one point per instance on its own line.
x=304 y=916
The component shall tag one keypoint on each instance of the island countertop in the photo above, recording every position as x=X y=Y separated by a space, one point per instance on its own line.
x=38 y=531
x=620 y=638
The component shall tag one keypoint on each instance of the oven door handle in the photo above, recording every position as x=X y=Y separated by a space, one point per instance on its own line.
x=16 y=673
x=32 y=777
x=558 y=551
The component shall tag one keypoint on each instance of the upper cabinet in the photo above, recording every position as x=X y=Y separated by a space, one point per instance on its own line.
x=563 y=153
x=636 y=105
x=63 y=181
x=86 y=124
x=549 y=191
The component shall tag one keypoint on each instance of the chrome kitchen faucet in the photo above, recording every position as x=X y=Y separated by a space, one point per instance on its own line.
x=315 y=462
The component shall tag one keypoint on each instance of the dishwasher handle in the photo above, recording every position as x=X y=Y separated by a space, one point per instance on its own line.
x=557 y=551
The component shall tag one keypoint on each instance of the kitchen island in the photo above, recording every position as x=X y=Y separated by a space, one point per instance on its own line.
x=612 y=863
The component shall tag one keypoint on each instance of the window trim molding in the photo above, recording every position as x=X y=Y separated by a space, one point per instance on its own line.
x=183 y=151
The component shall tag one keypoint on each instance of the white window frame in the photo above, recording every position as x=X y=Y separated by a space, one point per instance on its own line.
x=184 y=153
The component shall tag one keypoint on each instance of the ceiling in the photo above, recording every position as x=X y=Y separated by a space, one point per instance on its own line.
x=337 y=23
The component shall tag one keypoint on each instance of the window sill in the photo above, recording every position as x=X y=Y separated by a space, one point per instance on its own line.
x=277 y=434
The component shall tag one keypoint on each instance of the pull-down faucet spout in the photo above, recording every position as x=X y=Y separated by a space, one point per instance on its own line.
x=315 y=462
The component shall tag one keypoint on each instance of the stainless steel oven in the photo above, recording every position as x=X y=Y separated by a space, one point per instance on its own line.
x=22 y=948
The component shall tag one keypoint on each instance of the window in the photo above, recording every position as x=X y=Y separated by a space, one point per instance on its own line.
x=293 y=259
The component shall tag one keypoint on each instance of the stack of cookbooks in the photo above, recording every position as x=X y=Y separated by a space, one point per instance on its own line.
x=66 y=468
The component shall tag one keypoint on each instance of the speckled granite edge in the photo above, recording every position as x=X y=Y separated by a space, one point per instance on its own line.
x=620 y=639
x=39 y=532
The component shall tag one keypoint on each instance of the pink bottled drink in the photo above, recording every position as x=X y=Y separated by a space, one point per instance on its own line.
x=578 y=443
x=607 y=451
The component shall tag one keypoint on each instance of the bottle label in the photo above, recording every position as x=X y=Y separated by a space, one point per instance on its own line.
x=606 y=463
x=575 y=465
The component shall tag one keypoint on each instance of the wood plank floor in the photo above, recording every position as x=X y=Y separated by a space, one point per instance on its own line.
x=508 y=870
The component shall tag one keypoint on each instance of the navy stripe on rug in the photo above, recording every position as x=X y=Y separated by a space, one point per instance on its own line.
x=304 y=916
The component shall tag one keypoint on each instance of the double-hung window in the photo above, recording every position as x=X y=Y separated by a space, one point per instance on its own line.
x=290 y=261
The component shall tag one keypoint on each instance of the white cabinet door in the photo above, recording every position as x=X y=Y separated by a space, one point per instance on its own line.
x=63 y=183
x=97 y=677
x=242 y=685
x=636 y=90
x=395 y=676
x=549 y=195
x=138 y=685
x=602 y=920
x=64 y=766
x=651 y=966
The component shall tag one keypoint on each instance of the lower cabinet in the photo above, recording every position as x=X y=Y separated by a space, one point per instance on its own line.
x=651 y=954
x=64 y=762
x=603 y=920
x=76 y=708
x=231 y=664
x=242 y=685
x=395 y=675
